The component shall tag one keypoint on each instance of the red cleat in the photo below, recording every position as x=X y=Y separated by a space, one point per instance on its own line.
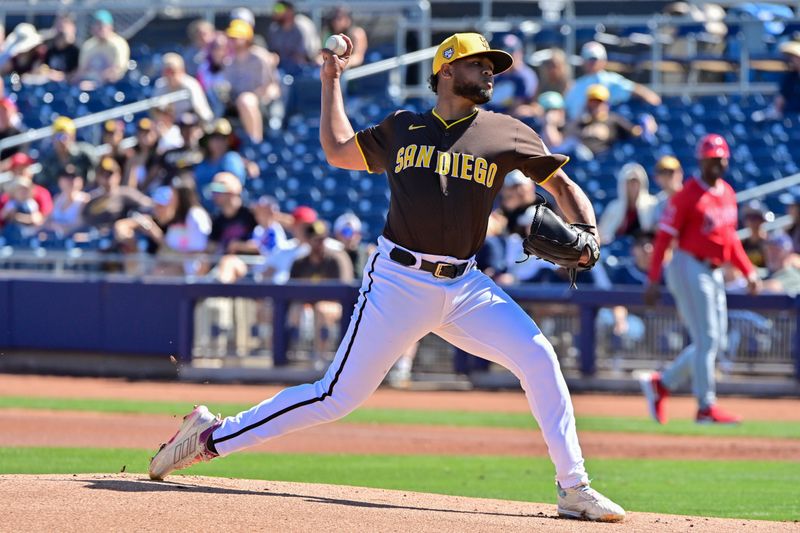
x=715 y=415
x=655 y=393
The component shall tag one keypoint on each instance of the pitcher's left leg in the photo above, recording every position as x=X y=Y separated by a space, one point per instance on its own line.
x=489 y=324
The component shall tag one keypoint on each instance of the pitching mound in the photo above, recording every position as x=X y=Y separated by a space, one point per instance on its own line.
x=105 y=502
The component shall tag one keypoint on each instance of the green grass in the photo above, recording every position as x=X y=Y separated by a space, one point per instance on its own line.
x=754 y=428
x=752 y=490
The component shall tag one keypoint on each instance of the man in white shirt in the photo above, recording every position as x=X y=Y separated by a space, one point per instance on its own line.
x=104 y=57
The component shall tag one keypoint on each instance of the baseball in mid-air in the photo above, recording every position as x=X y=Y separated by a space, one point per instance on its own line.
x=336 y=44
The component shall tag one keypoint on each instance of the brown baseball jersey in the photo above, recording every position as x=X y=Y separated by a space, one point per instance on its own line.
x=444 y=177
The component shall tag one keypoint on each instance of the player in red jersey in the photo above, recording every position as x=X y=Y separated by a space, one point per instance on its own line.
x=701 y=219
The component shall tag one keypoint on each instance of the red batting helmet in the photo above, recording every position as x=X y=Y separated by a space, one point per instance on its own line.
x=712 y=146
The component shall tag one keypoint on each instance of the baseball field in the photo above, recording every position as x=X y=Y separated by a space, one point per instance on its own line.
x=74 y=454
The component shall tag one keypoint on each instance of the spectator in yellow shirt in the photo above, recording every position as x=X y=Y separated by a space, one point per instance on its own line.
x=104 y=57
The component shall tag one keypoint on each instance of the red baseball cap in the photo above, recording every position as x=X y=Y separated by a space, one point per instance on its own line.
x=713 y=146
x=21 y=160
x=305 y=214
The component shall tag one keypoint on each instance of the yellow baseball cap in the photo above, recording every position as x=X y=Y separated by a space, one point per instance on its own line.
x=598 y=92
x=63 y=124
x=668 y=162
x=462 y=45
x=239 y=29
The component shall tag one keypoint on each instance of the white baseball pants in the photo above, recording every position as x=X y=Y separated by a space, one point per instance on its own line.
x=397 y=306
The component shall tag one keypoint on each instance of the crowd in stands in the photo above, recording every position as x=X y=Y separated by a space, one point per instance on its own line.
x=179 y=190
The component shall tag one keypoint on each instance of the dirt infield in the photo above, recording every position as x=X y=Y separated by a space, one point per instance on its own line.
x=134 y=503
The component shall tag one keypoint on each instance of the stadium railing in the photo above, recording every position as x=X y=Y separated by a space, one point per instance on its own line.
x=123 y=315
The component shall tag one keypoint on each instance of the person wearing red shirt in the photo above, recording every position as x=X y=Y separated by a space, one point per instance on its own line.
x=701 y=219
x=20 y=166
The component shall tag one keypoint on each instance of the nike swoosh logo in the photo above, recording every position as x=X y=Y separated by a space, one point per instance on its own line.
x=412 y=127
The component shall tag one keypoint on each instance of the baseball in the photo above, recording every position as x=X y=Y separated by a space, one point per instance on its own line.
x=336 y=44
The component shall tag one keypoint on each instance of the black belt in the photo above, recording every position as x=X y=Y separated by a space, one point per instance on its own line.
x=438 y=269
x=706 y=262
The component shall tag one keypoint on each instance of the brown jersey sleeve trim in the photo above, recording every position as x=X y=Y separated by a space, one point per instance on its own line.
x=554 y=172
x=358 y=145
x=448 y=126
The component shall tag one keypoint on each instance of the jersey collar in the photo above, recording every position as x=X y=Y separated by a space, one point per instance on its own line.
x=717 y=189
x=459 y=121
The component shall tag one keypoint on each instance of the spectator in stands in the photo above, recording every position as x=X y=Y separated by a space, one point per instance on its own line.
x=62 y=52
x=138 y=172
x=24 y=51
x=211 y=74
x=340 y=20
x=175 y=78
x=347 y=230
x=554 y=123
x=111 y=200
x=620 y=88
x=323 y=264
x=201 y=34
x=8 y=112
x=254 y=82
x=632 y=211
x=68 y=204
x=178 y=227
x=788 y=99
x=167 y=130
x=754 y=215
x=599 y=128
x=783 y=264
x=103 y=57
x=234 y=222
x=218 y=156
x=517 y=195
x=187 y=157
x=515 y=89
x=555 y=73
x=491 y=258
x=21 y=215
x=268 y=235
x=293 y=37
x=66 y=151
x=19 y=165
x=669 y=178
x=112 y=136
x=792 y=203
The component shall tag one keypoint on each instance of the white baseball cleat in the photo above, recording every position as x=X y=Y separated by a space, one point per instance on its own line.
x=187 y=446
x=585 y=503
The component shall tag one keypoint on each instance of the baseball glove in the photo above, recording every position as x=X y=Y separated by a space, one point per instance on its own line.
x=561 y=243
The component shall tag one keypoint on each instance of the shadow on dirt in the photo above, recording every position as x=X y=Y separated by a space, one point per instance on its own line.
x=147 y=485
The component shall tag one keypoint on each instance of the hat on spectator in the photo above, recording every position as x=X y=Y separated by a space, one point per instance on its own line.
x=243 y=14
x=512 y=43
x=162 y=196
x=515 y=177
x=20 y=160
x=239 y=29
x=109 y=164
x=222 y=127
x=755 y=209
x=594 y=50
x=598 y=92
x=551 y=100
x=226 y=182
x=103 y=16
x=781 y=240
x=23 y=39
x=64 y=125
x=347 y=224
x=318 y=228
x=668 y=162
x=111 y=125
x=266 y=201
x=144 y=124
x=304 y=214
x=791 y=48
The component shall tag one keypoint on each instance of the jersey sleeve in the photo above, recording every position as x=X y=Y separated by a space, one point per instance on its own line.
x=376 y=142
x=532 y=156
x=675 y=214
